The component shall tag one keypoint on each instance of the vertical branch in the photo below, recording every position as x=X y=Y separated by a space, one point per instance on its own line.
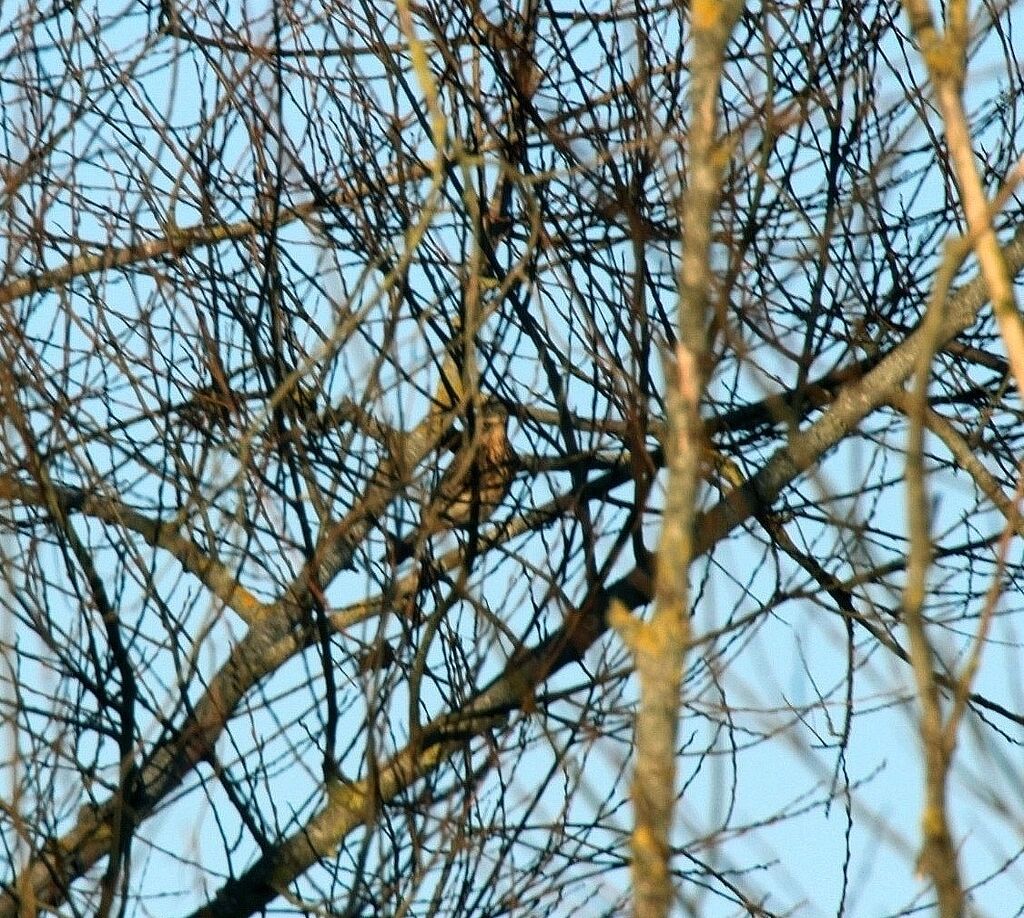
x=659 y=646
x=945 y=56
x=938 y=857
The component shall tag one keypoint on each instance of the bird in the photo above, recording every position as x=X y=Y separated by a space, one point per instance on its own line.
x=472 y=487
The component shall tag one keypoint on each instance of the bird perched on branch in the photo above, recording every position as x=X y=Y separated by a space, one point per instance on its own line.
x=472 y=487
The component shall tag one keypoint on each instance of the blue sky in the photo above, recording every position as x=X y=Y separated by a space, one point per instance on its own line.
x=783 y=678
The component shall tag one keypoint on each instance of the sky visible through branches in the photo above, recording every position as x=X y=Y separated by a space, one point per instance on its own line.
x=255 y=384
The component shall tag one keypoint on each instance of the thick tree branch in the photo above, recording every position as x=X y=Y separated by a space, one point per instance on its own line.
x=269 y=643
